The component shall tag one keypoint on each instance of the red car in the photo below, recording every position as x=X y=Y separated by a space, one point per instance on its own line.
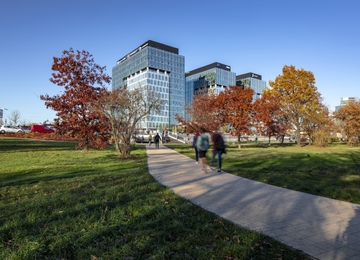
x=41 y=129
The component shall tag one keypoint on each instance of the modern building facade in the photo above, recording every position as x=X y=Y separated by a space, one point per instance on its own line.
x=253 y=81
x=344 y=101
x=159 y=68
x=211 y=79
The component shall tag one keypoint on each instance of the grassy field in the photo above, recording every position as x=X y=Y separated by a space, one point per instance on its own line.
x=60 y=203
x=332 y=172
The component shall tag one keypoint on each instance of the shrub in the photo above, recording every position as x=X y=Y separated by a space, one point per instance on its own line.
x=321 y=138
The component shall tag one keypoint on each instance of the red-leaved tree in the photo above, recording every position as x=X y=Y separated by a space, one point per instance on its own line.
x=203 y=113
x=84 y=82
x=236 y=104
x=269 y=120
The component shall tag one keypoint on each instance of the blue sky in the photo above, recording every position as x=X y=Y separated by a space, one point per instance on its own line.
x=259 y=36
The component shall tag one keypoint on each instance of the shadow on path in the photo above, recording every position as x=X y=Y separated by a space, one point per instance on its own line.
x=321 y=227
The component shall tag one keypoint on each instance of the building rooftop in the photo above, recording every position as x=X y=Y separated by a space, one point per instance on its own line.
x=249 y=75
x=207 y=67
x=150 y=43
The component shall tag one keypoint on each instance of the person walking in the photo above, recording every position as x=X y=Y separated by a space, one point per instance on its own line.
x=150 y=139
x=196 y=135
x=218 y=148
x=157 y=140
x=202 y=145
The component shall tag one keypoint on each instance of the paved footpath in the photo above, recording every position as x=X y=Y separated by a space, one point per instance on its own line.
x=322 y=228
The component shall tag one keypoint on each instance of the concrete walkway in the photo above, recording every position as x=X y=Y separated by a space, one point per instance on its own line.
x=323 y=228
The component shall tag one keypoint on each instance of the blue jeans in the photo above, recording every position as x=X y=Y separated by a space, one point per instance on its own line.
x=196 y=154
x=218 y=153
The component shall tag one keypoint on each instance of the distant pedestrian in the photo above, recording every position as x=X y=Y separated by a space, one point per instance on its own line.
x=196 y=135
x=142 y=138
x=202 y=145
x=157 y=140
x=218 y=149
x=150 y=139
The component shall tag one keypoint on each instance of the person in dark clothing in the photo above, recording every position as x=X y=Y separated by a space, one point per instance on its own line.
x=157 y=140
x=196 y=135
x=218 y=149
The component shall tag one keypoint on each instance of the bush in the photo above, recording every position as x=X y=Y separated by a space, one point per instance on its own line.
x=354 y=141
x=321 y=138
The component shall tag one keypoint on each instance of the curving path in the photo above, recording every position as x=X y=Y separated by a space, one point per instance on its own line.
x=323 y=228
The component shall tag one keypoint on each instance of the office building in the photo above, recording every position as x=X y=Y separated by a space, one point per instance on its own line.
x=253 y=81
x=210 y=79
x=157 y=67
x=344 y=101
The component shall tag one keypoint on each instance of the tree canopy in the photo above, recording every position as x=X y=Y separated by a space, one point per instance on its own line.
x=84 y=83
x=349 y=117
x=298 y=96
x=232 y=107
x=203 y=113
x=124 y=109
x=236 y=103
x=269 y=120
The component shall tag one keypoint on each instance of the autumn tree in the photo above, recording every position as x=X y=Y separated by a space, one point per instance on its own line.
x=269 y=120
x=349 y=117
x=84 y=83
x=203 y=112
x=14 y=117
x=236 y=104
x=318 y=125
x=298 y=96
x=124 y=109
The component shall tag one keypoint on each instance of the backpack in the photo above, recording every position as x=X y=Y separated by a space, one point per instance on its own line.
x=203 y=144
x=219 y=143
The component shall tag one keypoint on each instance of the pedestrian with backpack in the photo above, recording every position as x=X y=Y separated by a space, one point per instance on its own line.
x=196 y=135
x=157 y=140
x=218 y=149
x=150 y=138
x=202 y=145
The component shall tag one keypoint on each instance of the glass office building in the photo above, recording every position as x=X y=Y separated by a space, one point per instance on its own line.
x=253 y=81
x=344 y=101
x=157 y=67
x=210 y=79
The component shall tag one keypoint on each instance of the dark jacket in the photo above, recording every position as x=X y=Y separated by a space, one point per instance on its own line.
x=195 y=140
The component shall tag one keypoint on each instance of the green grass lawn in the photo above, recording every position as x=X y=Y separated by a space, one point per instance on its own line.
x=60 y=203
x=332 y=172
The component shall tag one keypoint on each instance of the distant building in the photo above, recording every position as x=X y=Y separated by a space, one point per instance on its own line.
x=157 y=67
x=344 y=101
x=210 y=79
x=253 y=81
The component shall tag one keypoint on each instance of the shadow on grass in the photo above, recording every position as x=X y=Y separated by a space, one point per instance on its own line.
x=103 y=217
x=25 y=145
x=295 y=218
x=45 y=173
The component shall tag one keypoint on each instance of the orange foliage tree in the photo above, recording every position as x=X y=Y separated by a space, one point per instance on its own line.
x=269 y=120
x=203 y=112
x=236 y=107
x=349 y=117
x=84 y=82
x=298 y=96
x=318 y=125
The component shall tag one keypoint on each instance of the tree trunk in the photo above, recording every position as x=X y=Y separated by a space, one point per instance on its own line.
x=239 y=142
